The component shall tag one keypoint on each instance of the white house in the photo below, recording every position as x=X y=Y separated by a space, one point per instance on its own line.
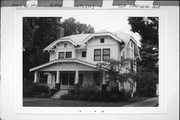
x=73 y=59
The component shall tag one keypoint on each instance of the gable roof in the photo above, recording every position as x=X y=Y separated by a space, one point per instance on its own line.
x=81 y=39
x=63 y=61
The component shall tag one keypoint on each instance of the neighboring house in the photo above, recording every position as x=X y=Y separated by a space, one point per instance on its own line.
x=73 y=59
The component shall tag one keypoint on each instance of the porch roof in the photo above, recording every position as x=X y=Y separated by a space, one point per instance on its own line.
x=63 y=61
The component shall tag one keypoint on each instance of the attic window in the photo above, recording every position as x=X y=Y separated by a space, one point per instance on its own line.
x=102 y=40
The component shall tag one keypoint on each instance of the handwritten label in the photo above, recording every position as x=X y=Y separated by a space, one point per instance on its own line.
x=50 y=3
x=13 y=3
x=123 y=2
x=81 y=3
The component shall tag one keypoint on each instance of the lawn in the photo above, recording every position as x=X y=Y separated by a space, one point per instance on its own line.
x=50 y=102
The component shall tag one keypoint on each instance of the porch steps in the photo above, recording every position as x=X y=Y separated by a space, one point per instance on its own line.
x=59 y=94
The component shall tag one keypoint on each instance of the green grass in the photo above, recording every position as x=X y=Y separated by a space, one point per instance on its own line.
x=49 y=102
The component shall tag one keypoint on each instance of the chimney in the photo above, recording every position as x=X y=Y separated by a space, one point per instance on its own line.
x=61 y=32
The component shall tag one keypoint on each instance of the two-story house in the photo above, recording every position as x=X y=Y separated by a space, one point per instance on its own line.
x=73 y=59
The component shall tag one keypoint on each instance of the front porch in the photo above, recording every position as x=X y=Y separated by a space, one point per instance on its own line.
x=65 y=80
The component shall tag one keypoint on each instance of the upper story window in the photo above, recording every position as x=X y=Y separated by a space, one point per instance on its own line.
x=61 y=55
x=132 y=45
x=83 y=53
x=106 y=54
x=65 y=55
x=123 y=55
x=102 y=40
x=68 y=54
x=97 y=54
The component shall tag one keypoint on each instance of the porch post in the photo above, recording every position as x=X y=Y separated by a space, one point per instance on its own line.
x=57 y=85
x=76 y=77
x=57 y=76
x=36 y=76
x=104 y=80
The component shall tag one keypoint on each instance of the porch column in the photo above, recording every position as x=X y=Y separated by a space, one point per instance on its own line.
x=57 y=77
x=104 y=80
x=36 y=76
x=76 y=77
x=57 y=85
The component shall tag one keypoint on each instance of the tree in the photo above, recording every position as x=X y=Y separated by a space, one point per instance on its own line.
x=115 y=71
x=71 y=26
x=38 y=32
x=147 y=27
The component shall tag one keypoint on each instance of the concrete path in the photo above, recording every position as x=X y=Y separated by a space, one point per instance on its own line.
x=151 y=102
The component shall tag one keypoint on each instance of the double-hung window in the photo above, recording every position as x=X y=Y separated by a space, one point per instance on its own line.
x=68 y=54
x=61 y=55
x=97 y=54
x=106 y=54
x=65 y=55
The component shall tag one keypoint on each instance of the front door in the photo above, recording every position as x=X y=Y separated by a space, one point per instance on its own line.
x=67 y=80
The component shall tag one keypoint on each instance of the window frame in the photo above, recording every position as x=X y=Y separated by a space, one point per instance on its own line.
x=95 y=55
x=63 y=55
x=82 y=55
x=101 y=40
x=105 y=54
x=70 y=54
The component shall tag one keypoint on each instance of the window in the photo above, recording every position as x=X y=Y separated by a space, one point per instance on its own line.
x=68 y=54
x=122 y=56
x=84 y=54
x=132 y=44
x=61 y=55
x=106 y=54
x=67 y=78
x=96 y=78
x=97 y=54
x=80 y=78
x=102 y=40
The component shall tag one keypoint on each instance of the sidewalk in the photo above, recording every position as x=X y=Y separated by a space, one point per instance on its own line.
x=151 y=102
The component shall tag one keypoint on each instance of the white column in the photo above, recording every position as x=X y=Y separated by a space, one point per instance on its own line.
x=36 y=76
x=57 y=77
x=104 y=80
x=76 y=77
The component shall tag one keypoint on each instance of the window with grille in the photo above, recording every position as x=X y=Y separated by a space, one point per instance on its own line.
x=68 y=54
x=97 y=54
x=61 y=55
x=106 y=54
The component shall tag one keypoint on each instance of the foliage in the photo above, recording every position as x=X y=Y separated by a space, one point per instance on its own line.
x=114 y=70
x=38 y=90
x=146 y=84
x=148 y=28
x=39 y=32
x=71 y=26
x=91 y=93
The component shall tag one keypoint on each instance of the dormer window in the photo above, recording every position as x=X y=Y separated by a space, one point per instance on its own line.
x=132 y=45
x=102 y=40
x=65 y=55
x=61 y=55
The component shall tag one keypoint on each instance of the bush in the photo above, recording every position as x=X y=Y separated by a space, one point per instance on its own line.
x=39 y=91
x=91 y=93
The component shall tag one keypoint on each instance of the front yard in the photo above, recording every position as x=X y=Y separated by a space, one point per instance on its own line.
x=50 y=102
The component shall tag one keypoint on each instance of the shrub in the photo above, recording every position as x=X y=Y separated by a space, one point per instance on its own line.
x=39 y=91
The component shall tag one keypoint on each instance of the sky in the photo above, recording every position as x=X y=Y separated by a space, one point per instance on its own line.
x=110 y=20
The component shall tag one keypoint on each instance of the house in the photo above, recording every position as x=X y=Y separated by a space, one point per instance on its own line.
x=73 y=59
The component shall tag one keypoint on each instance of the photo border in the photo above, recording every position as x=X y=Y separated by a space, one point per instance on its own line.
x=38 y=12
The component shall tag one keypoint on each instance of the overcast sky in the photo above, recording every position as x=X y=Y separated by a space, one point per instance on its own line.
x=110 y=20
